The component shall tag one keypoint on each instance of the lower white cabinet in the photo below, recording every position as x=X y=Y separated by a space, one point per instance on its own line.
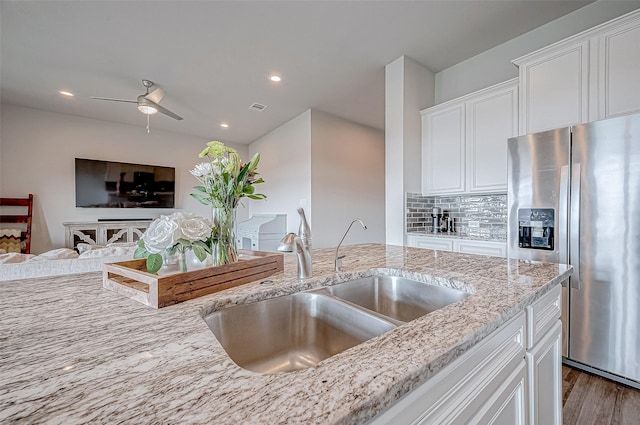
x=425 y=242
x=498 y=381
x=544 y=366
x=465 y=246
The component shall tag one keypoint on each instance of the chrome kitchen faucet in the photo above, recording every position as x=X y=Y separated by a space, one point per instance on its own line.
x=338 y=260
x=302 y=244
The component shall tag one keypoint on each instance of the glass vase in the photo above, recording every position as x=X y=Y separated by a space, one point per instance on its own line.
x=193 y=263
x=182 y=263
x=224 y=249
x=172 y=263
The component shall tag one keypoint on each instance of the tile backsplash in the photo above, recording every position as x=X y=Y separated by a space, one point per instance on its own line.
x=489 y=211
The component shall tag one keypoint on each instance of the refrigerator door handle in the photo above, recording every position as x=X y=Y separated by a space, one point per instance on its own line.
x=575 y=226
x=563 y=214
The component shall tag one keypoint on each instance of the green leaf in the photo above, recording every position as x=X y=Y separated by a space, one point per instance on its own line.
x=184 y=242
x=249 y=190
x=256 y=181
x=243 y=171
x=200 y=252
x=154 y=262
x=141 y=252
x=203 y=245
x=201 y=199
x=257 y=196
x=200 y=189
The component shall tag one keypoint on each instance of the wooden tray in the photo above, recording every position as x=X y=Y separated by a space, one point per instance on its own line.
x=130 y=278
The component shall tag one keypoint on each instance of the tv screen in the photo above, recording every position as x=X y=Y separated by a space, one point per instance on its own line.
x=108 y=184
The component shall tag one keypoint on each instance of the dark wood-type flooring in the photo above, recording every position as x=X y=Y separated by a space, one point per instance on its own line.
x=591 y=400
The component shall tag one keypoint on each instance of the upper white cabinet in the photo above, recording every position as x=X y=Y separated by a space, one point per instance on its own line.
x=464 y=141
x=443 y=149
x=555 y=88
x=587 y=77
x=492 y=118
x=619 y=69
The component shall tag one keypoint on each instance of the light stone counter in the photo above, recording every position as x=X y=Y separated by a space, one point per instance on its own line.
x=72 y=352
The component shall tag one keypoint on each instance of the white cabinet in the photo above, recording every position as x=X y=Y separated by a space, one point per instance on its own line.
x=555 y=88
x=587 y=77
x=465 y=246
x=544 y=359
x=619 y=69
x=503 y=380
x=464 y=141
x=443 y=149
x=544 y=365
x=425 y=242
x=492 y=248
x=104 y=232
x=484 y=385
x=492 y=118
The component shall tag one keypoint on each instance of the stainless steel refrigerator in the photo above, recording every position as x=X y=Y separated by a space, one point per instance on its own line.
x=574 y=197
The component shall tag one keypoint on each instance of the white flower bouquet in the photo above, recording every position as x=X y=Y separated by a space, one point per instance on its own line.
x=171 y=234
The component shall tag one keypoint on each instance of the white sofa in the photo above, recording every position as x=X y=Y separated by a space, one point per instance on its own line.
x=62 y=261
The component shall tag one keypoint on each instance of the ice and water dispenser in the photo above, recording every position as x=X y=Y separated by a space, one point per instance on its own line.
x=536 y=227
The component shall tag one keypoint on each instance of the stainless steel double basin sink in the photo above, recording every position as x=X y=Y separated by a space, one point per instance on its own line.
x=297 y=331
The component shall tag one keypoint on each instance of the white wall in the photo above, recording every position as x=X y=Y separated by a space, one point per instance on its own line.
x=37 y=151
x=409 y=88
x=347 y=181
x=494 y=65
x=331 y=167
x=285 y=165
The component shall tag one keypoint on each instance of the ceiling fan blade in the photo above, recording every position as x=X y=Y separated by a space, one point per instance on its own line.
x=113 y=100
x=156 y=95
x=167 y=112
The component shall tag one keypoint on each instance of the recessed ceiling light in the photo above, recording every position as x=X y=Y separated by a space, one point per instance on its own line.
x=224 y=125
x=275 y=78
x=66 y=93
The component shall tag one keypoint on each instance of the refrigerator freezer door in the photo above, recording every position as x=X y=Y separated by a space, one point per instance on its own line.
x=537 y=171
x=604 y=328
x=538 y=176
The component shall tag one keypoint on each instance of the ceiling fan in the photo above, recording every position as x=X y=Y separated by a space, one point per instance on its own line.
x=147 y=102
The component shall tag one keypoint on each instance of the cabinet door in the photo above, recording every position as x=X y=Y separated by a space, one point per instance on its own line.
x=491 y=120
x=544 y=364
x=554 y=87
x=443 y=150
x=507 y=406
x=619 y=71
x=430 y=243
x=494 y=249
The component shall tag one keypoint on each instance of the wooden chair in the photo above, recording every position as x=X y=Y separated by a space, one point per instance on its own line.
x=25 y=235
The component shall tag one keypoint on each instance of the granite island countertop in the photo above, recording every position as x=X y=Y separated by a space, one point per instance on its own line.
x=73 y=352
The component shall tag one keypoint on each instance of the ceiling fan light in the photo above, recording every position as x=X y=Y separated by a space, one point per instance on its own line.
x=145 y=109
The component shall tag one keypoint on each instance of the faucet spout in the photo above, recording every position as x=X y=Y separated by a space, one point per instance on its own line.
x=304 y=230
x=338 y=259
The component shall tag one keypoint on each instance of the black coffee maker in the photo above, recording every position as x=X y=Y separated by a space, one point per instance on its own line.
x=436 y=215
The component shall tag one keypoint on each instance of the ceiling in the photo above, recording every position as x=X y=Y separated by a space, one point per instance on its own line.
x=213 y=58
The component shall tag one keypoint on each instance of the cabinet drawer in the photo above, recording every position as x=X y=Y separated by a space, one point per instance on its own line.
x=542 y=315
x=495 y=249
x=430 y=243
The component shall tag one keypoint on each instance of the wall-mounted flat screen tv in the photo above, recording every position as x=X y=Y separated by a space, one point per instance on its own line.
x=108 y=184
